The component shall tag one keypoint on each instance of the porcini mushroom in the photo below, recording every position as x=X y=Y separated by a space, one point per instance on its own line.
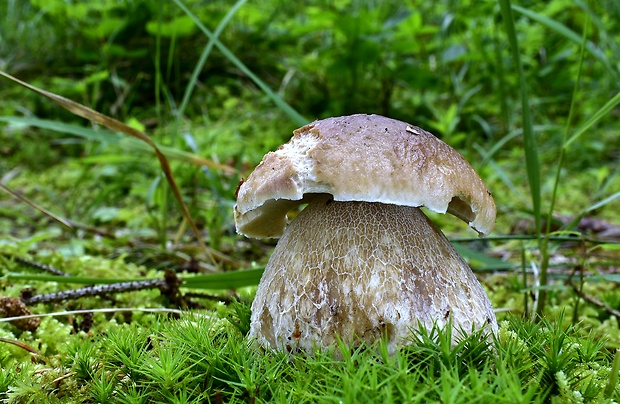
x=361 y=261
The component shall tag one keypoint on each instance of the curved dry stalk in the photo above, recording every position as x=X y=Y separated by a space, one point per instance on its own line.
x=20 y=344
x=35 y=206
x=105 y=310
x=118 y=126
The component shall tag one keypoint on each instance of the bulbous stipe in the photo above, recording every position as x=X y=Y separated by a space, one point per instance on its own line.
x=362 y=271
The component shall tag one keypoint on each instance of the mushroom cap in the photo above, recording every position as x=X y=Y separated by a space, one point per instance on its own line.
x=365 y=158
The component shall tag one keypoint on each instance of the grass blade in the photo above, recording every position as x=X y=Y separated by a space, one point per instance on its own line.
x=529 y=137
x=290 y=111
x=215 y=281
x=604 y=110
x=224 y=280
x=77 y=280
x=127 y=143
x=118 y=126
x=602 y=203
x=105 y=310
x=595 y=206
x=481 y=262
x=568 y=34
x=205 y=55
x=613 y=376
x=35 y=206
x=530 y=145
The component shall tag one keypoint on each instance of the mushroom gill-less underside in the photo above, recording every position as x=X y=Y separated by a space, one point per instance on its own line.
x=362 y=271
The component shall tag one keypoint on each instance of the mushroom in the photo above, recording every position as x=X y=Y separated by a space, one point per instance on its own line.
x=361 y=261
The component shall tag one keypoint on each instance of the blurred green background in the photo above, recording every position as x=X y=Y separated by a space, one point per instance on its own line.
x=528 y=92
x=274 y=65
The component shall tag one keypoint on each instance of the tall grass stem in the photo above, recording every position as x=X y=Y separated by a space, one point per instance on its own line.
x=205 y=55
x=283 y=105
x=529 y=136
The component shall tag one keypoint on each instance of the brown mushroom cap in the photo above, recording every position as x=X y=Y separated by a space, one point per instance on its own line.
x=366 y=158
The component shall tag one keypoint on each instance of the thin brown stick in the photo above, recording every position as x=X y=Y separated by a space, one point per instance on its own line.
x=100 y=290
x=38 y=265
x=20 y=344
x=595 y=301
x=27 y=201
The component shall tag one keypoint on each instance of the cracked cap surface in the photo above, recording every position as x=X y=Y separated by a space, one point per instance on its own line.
x=367 y=158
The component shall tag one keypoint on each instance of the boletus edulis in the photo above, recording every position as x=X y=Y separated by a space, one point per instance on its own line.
x=361 y=261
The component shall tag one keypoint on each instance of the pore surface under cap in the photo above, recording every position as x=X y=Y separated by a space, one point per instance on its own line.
x=367 y=158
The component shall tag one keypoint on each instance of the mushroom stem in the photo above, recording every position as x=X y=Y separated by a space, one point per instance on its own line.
x=361 y=271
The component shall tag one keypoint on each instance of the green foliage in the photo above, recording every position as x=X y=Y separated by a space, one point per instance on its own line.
x=197 y=358
x=240 y=317
x=7 y=378
x=230 y=82
x=441 y=65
